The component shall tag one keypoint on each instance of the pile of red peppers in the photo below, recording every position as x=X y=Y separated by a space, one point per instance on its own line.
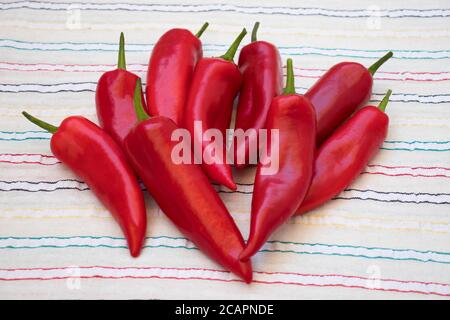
x=326 y=137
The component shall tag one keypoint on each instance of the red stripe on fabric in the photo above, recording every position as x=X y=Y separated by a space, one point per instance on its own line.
x=223 y=271
x=227 y=280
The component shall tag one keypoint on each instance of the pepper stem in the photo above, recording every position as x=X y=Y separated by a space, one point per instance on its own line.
x=202 y=29
x=229 y=55
x=255 y=31
x=373 y=68
x=384 y=102
x=44 y=125
x=137 y=101
x=121 y=64
x=290 y=85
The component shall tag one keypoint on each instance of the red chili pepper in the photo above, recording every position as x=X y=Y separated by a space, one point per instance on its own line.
x=215 y=84
x=276 y=196
x=183 y=192
x=262 y=80
x=345 y=154
x=114 y=99
x=170 y=71
x=94 y=157
x=339 y=92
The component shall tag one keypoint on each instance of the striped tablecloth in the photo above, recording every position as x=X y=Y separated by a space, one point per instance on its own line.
x=387 y=236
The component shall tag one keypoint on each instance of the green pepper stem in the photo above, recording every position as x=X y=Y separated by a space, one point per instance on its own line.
x=137 y=101
x=202 y=29
x=255 y=31
x=373 y=68
x=229 y=55
x=290 y=82
x=384 y=102
x=44 y=125
x=121 y=64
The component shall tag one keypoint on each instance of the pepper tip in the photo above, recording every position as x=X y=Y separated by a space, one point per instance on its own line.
x=231 y=185
x=135 y=252
x=245 y=271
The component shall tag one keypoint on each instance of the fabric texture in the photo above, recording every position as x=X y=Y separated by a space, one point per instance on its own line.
x=386 y=236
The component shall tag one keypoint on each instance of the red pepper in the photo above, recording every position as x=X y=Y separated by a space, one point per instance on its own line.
x=276 y=196
x=114 y=99
x=262 y=80
x=94 y=157
x=215 y=84
x=170 y=71
x=345 y=154
x=183 y=192
x=339 y=92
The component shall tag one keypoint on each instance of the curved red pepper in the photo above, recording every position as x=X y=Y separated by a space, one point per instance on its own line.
x=345 y=154
x=262 y=80
x=277 y=196
x=339 y=92
x=94 y=157
x=114 y=99
x=184 y=194
x=215 y=84
x=170 y=71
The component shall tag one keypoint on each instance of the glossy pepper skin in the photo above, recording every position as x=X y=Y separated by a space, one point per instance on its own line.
x=345 y=154
x=260 y=65
x=184 y=194
x=96 y=159
x=276 y=196
x=114 y=99
x=215 y=84
x=170 y=71
x=339 y=92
